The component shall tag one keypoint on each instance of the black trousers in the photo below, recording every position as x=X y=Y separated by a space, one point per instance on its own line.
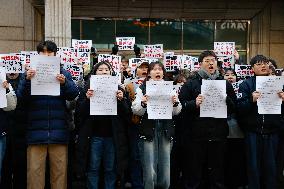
x=205 y=165
x=280 y=161
x=235 y=163
x=14 y=173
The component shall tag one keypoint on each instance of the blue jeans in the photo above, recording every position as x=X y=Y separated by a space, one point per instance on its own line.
x=261 y=160
x=155 y=158
x=2 y=151
x=102 y=148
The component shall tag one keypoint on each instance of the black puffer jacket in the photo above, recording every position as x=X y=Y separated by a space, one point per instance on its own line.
x=203 y=128
x=4 y=112
x=249 y=118
x=17 y=127
x=120 y=124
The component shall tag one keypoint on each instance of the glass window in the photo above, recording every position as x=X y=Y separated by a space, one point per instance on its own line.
x=100 y=31
x=198 y=35
x=75 y=28
x=243 y=57
x=133 y=28
x=233 y=30
x=166 y=32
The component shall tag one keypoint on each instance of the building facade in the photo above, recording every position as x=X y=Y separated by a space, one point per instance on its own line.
x=183 y=26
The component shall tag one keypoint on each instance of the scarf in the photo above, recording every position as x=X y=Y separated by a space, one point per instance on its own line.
x=205 y=75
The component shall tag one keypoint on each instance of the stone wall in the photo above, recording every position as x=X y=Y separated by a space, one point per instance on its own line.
x=267 y=32
x=20 y=26
x=277 y=33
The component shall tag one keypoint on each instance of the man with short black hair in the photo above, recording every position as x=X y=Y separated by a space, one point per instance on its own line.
x=205 y=137
x=48 y=48
x=261 y=130
x=47 y=129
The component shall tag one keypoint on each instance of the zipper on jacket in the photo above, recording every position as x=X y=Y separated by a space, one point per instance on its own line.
x=262 y=126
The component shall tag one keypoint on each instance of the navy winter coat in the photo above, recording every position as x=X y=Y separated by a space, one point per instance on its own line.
x=47 y=114
x=249 y=118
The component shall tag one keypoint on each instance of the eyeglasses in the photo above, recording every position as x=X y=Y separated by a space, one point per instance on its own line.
x=209 y=60
x=261 y=63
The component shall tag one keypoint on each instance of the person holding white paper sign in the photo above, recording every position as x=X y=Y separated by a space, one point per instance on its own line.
x=261 y=129
x=47 y=129
x=205 y=137
x=155 y=134
x=108 y=133
x=10 y=104
x=135 y=165
x=235 y=169
x=15 y=162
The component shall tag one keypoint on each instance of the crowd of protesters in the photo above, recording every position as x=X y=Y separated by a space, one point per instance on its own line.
x=54 y=142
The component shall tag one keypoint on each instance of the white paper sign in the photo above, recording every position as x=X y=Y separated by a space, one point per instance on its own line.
x=150 y=60
x=44 y=82
x=114 y=60
x=214 y=104
x=14 y=63
x=3 y=99
x=75 y=70
x=125 y=43
x=153 y=51
x=269 y=101
x=225 y=53
x=81 y=44
x=195 y=64
x=28 y=55
x=227 y=61
x=68 y=55
x=243 y=71
x=104 y=101
x=224 y=48
x=83 y=49
x=186 y=62
x=159 y=105
x=172 y=62
x=236 y=86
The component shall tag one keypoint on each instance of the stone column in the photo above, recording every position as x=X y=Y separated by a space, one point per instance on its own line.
x=58 y=22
